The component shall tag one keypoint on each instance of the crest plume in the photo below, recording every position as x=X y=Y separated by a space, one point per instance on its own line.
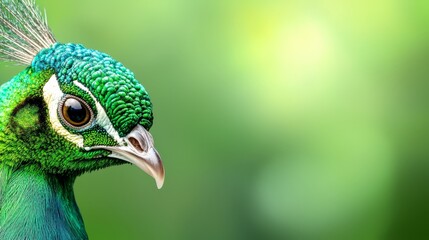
x=24 y=31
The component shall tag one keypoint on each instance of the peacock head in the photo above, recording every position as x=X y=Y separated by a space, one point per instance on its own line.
x=72 y=109
x=92 y=113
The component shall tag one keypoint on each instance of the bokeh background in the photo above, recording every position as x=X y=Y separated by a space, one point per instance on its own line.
x=299 y=119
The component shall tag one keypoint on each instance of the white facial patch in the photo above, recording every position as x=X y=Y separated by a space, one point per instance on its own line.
x=52 y=95
x=102 y=118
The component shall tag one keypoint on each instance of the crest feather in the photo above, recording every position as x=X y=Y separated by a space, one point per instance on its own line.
x=24 y=31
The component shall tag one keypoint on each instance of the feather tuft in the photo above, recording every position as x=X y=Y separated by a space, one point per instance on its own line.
x=24 y=31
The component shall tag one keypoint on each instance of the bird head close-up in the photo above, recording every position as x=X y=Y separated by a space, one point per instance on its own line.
x=83 y=109
x=70 y=111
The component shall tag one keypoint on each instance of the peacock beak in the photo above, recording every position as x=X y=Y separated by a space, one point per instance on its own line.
x=140 y=152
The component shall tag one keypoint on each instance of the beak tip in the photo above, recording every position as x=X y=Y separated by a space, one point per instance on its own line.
x=159 y=182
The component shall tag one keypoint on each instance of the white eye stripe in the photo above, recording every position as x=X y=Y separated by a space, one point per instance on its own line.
x=102 y=118
x=52 y=95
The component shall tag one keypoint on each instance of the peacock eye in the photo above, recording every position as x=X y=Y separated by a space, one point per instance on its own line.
x=75 y=112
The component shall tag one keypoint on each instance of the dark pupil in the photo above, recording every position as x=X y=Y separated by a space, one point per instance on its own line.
x=76 y=112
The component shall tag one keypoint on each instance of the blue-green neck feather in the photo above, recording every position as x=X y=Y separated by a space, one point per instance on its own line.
x=36 y=205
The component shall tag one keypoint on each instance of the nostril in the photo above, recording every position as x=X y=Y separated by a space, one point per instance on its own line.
x=136 y=144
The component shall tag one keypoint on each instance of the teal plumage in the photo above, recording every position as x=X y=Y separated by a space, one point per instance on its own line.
x=39 y=206
x=71 y=110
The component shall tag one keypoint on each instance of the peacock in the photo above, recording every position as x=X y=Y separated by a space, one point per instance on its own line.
x=71 y=110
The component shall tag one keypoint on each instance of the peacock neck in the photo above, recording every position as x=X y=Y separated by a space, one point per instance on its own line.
x=36 y=205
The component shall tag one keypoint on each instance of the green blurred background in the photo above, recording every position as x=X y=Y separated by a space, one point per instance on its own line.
x=275 y=119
